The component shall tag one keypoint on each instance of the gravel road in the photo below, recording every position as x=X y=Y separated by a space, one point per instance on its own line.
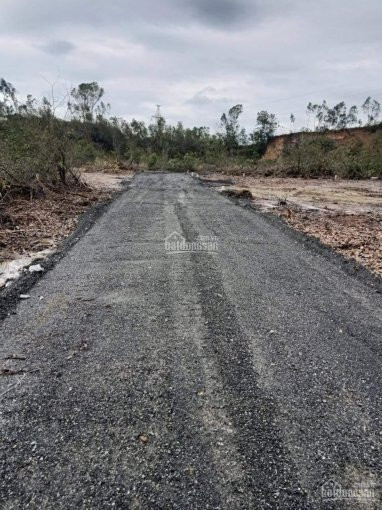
x=245 y=378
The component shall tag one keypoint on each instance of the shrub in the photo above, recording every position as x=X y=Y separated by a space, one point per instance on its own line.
x=153 y=161
x=188 y=163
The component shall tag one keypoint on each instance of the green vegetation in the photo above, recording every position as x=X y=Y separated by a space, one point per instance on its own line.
x=38 y=148
x=319 y=156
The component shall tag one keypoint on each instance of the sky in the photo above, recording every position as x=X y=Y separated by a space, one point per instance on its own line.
x=197 y=58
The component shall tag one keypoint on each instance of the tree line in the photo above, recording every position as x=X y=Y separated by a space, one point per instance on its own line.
x=37 y=144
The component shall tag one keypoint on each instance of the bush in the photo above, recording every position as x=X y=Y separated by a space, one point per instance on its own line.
x=321 y=157
x=40 y=149
x=27 y=152
x=358 y=161
x=308 y=157
x=153 y=161
x=188 y=163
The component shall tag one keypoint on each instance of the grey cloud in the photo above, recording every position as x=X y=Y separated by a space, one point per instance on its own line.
x=201 y=97
x=24 y=15
x=221 y=13
x=163 y=41
x=59 y=48
x=197 y=57
x=206 y=97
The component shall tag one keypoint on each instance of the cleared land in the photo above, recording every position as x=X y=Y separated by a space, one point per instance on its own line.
x=344 y=214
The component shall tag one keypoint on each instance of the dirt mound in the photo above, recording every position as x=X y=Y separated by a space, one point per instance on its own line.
x=237 y=193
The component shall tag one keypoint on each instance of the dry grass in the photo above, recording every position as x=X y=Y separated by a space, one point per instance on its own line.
x=109 y=166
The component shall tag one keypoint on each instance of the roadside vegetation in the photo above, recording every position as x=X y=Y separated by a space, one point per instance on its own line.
x=318 y=155
x=41 y=194
x=41 y=149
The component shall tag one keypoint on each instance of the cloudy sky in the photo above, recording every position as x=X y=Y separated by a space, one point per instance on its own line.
x=197 y=57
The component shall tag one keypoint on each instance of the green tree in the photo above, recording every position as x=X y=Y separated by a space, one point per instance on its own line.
x=372 y=109
x=84 y=101
x=292 y=119
x=230 y=125
x=158 y=138
x=266 y=125
x=336 y=117
x=8 y=101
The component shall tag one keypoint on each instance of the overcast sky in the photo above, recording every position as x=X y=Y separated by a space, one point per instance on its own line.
x=197 y=57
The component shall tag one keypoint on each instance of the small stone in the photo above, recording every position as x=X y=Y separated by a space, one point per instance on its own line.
x=36 y=268
x=143 y=438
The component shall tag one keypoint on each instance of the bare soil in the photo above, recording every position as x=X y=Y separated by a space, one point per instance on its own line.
x=30 y=227
x=105 y=181
x=344 y=214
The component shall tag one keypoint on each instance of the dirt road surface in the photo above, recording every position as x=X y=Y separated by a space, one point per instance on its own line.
x=247 y=376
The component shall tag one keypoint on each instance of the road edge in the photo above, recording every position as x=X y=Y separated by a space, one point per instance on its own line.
x=350 y=266
x=10 y=296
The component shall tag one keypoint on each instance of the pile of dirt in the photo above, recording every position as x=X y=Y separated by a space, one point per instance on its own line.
x=237 y=193
x=31 y=225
